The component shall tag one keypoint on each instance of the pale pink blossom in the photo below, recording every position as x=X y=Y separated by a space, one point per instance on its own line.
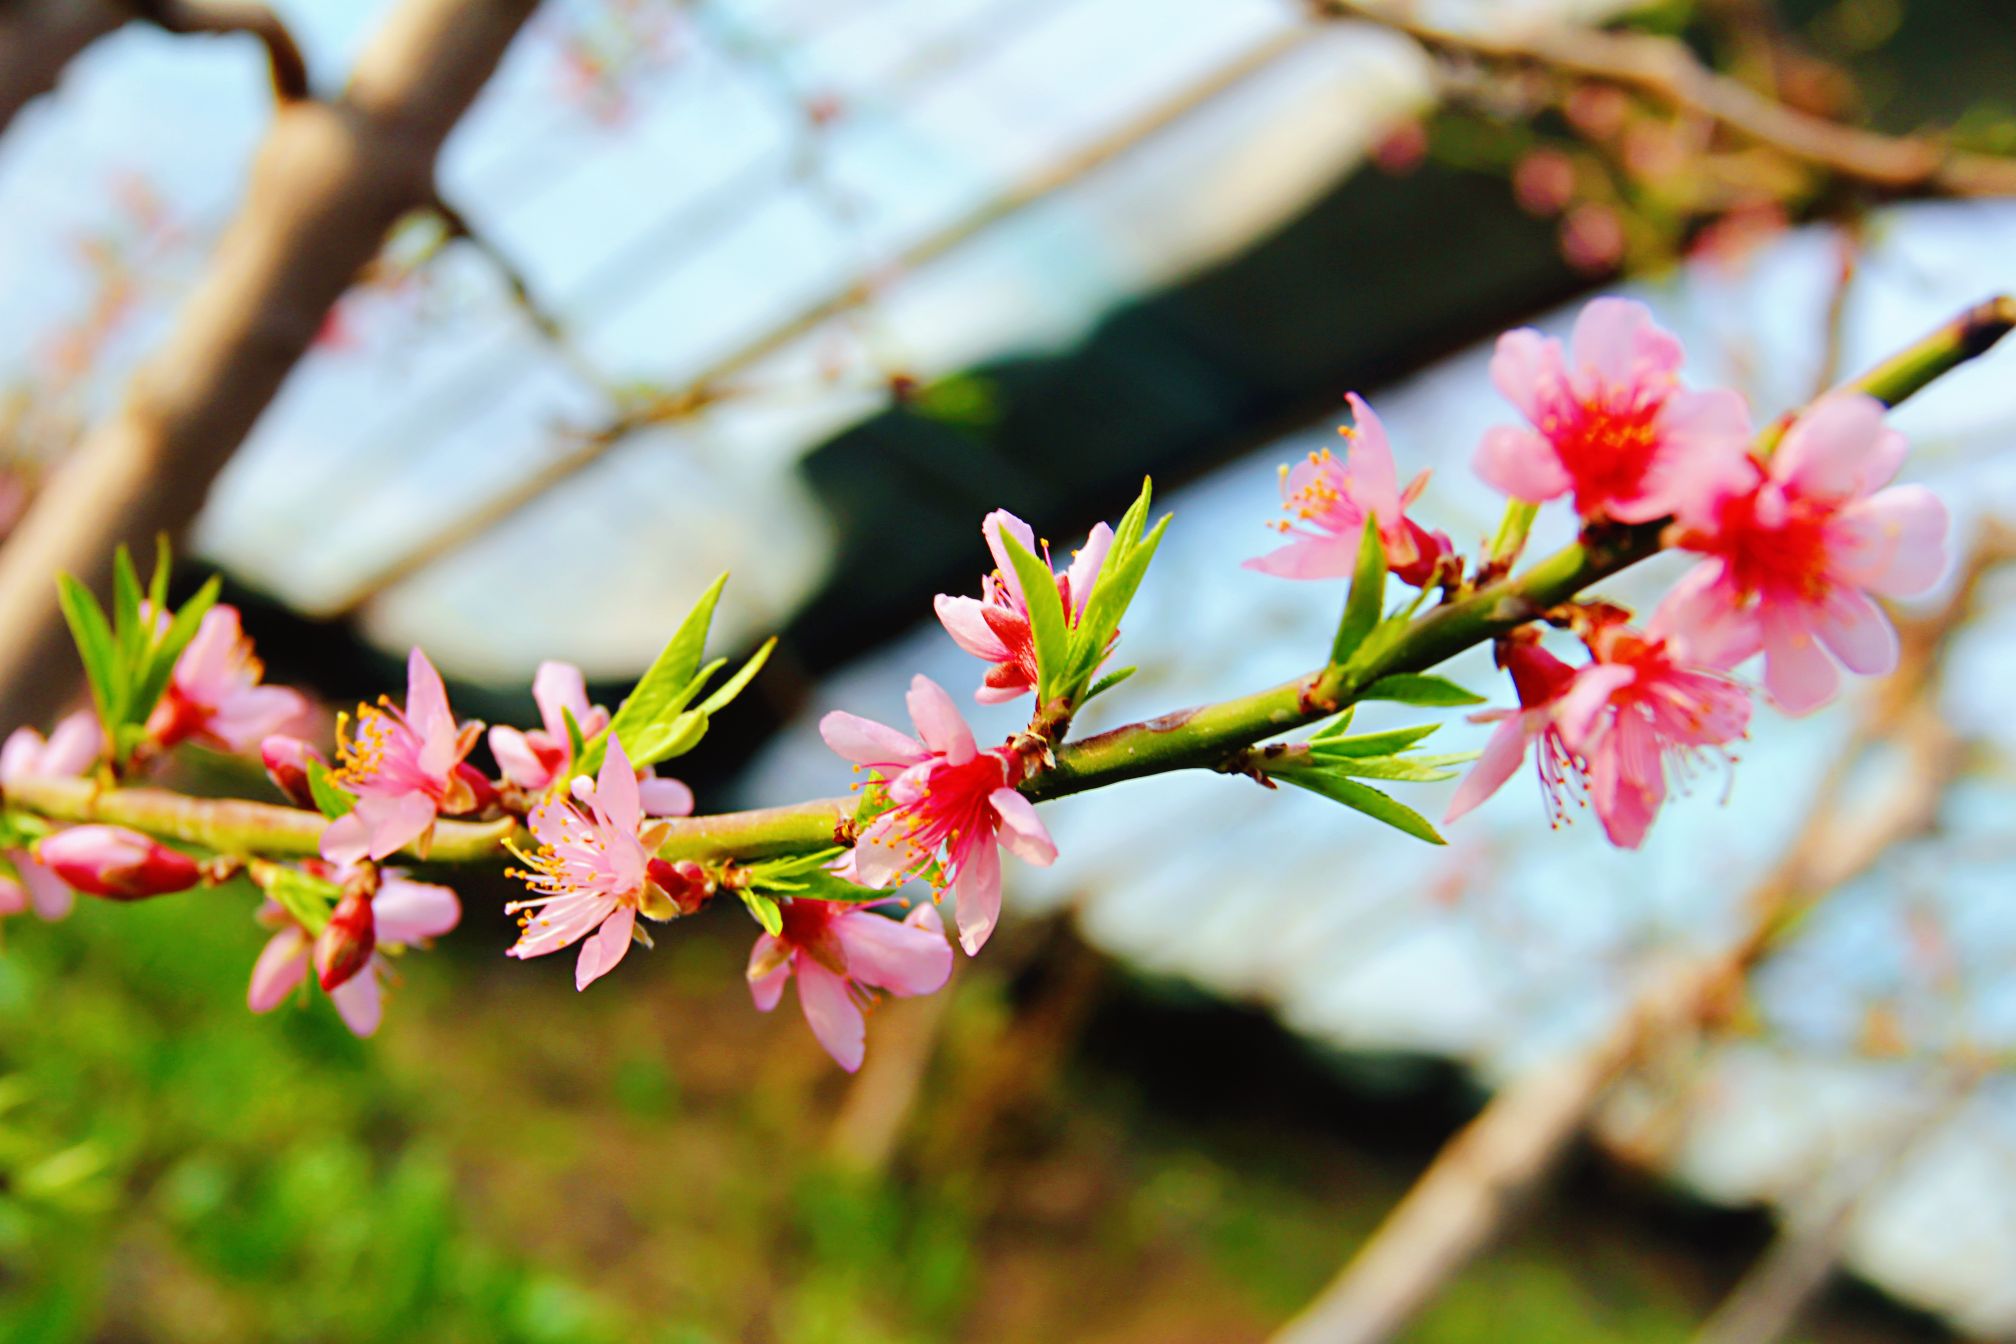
x=71 y=750
x=840 y=953
x=1614 y=430
x=403 y=913
x=954 y=806
x=1638 y=711
x=994 y=627
x=115 y=862
x=214 y=695
x=534 y=759
x=1332 y=499
x=288 y=761
x=592 y=872
x=1541 y=681
x=404 y=768
x=1795 y=554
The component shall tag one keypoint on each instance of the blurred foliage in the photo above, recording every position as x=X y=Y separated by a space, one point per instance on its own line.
x=510 y=1161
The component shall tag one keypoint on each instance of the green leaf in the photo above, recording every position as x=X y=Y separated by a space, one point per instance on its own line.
x=1419 y=688
x=331 y=798
x=1107 y=683
x=764 y=909
x=729 y=689
x=651 y=699
x=1412 y=769
x=153 y=677
x=577 y=747
x=1047 y=628
x=95 y=645
x=308 y=899
x=1336 y=728
x=157 y=585
x=1119 y=579
x=1387 y=743
x=1127 y=533
x=661 y=741
x=1368 y=595
x=127 y=628
x=1362 y=798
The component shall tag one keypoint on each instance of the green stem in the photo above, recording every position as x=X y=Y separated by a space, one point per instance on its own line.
x=1203 y=738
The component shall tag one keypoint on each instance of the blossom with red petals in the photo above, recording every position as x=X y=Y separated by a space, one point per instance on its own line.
x=402 y=913
x=534 y=758
x=994 y=627
x=954 y=807
x=214 y=696
x=404 y=766
x=1640 y=709
x=1333 y=499
x=1541 y=680
x=840 y=953
x=1796 y=553
x=1616 y=430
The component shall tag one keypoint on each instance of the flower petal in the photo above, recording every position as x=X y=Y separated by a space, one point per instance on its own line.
x=1798 y=674
x=558 y=686
x=616 y=796
x=832 y=1014
x=900 y=957
x=991 y=527
x=601 y=951
x=1309 y=558
x=1022 y=832
x=1083 y=574
x=1501 y=756
x=1893 y=542
x=1857 y=632
x=965 y=619
x=360 y=1000
x=663 y=796
x=282 y=964
x=978 y=888
x=1521 y=464
x=405 y=911
x=939 y=721
x=866 y=742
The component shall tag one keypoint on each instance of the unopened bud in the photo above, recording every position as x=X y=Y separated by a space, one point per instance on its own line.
x=688 y=885
x=116 y=863
x=346 y=942
x=287 y=760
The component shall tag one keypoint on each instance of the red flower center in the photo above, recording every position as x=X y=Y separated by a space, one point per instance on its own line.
x=1606 y=447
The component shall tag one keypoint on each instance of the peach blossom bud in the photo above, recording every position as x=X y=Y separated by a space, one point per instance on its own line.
x=686 y=883
x=346 y=942
x=287 y=760
x=116 y=863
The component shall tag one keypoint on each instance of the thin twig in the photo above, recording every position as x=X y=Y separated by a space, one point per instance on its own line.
x=1666 y=71
x=283 y=54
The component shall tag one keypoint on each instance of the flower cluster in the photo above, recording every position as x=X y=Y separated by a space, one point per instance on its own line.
x=1794 y=543
x=1795 y=534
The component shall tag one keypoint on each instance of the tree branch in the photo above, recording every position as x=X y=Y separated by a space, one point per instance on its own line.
x=1664 y=70
x=290 y=71
x=329 y=181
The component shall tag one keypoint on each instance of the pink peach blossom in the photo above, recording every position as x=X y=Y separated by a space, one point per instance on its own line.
x=536 y=758
x=592 y=871
x=1616 y=430
x=1334 y=498
x=1541 y=681
x=214 y=695
x=1639 y=710
x=403 y=913
x=994 y=627
x=1796 y=553
x=953 y=803
x=405 y=769
x=840 y=952
x=71 y=750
